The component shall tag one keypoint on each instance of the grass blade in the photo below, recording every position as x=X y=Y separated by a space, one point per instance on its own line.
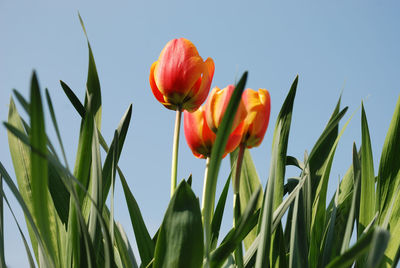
x=367 y=195
x=249 y=183
x=54 y=120
x=216 y=158
x=143 y=240
x=219 y=211
x=39 y=168
x=273 y=197
x=355 y=203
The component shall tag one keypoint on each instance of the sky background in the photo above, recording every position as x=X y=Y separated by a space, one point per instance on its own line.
x=336 y=47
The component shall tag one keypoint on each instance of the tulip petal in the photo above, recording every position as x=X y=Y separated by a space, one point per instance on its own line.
x=258 y=106
x=201 y=93
x=180 y=66
x=156 y=92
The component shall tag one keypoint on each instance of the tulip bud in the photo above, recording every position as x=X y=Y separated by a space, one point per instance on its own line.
x=180 y=79
x=216 y=105
x=200 y=138
x=258 y=107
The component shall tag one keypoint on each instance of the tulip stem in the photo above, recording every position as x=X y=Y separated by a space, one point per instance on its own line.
x=207 y=227
x=236 y=183
x=175 y=147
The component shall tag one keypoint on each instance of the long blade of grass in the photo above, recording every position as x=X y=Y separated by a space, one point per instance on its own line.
x=359 y=248
x=73 y=99
x=389 y=166
x=326 y=255
x=55 y=124
x=367 y=195
x=27 y=249
x=355 y=203
x=29 y=218
x=143 y=240
x=219 y=211
x=378 y=247
x=274 y=196
x=2 y=256
x=249 y=183
x=319 y=204
x=216 y=158
x=39 y=169
x=244 y=225
x=93 y=83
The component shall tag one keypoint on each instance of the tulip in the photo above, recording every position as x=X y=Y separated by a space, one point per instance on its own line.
x=216 y=105
x=201 y=138
x=180 y=79
x=258 y=107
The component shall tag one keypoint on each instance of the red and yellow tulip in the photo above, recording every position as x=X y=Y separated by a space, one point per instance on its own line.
x=180 y=79
x=258 y=107
x=216 y=105
x=201 y=138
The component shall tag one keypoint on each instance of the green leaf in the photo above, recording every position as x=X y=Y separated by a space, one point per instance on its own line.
x=329 y=238
x=249 y=183
x=27 y=249
x=73 y=99
x=358 y=249
x=40 y=245
x=54 y=120
x=180 y=240
x=320 y=152
x=243 y=226
x=143 y=240
x=219 y=212
x=121 y=132
x=2 y=257
x=389 y=166
x=355 y=203
x=39 y=170
x=379 y=243
x=274 y=189
x=319 y=204
x=294 y=258
x=216 y=158
x=367 y=195
x=93 y=84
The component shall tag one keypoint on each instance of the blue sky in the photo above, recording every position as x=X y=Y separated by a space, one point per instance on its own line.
x=348 y=47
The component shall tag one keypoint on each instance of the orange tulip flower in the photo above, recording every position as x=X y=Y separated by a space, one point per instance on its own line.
x=258 y=107
x=216 y=105
x=180 y=79
x=201 y=138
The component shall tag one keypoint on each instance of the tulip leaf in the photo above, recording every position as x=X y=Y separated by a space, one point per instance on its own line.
x=349 y=256
x=42 y=207
x=143 y=240
x=273 y=195
x=367 y=194
x=249 y=183
x=319 y=204
x=243 y=226
x=355 y=203
x=73 y=99
x=219 y=211
x=180 y=240
x=216 y=158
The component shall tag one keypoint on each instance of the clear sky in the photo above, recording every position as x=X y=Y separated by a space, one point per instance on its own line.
x=349 y=47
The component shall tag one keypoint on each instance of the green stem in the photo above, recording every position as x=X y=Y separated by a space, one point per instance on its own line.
x=236 y=215
x=207 y=227
x=236 y=183
x=175 y=147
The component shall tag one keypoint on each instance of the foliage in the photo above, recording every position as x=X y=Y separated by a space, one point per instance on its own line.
x=70 y=225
